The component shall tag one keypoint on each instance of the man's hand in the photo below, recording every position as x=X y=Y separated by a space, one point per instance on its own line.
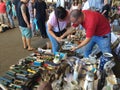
x=83 y=43
x=28 y=26
x=73 y=49
x=24 y=15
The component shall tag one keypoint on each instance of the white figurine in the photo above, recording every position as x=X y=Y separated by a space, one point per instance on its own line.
x=57 y=59
x=89 y=81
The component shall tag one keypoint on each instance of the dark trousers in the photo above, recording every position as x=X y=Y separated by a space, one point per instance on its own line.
x=41 y=26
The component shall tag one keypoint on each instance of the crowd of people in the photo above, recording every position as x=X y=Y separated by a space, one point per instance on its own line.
x=7 y=12
x=33 y=17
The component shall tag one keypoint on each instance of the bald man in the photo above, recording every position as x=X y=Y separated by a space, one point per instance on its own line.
x=97 y=30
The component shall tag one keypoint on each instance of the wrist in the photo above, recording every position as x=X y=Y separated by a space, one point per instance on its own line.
x=28 y=24
x=76 y=47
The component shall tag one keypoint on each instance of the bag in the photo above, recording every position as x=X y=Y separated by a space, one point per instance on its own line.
x=60 y=32
x=36 y=25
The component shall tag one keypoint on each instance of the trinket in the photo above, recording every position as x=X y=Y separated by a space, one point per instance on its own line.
x=89 y=81
x=104 y=58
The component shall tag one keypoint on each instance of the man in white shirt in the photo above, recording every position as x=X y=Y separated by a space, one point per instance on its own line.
x=86 y=5
x=93 y=4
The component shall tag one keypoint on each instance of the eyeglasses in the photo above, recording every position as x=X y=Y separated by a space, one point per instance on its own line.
x=76 y=21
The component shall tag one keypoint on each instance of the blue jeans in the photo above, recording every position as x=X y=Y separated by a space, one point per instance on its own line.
x=103 y=43
x=11 y=20
x=54 y=42
x=32 y=26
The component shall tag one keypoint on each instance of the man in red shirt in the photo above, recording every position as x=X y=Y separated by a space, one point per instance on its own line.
x=3 y=15
x=97 y=30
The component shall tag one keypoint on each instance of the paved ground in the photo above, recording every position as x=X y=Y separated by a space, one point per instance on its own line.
x=11 y=49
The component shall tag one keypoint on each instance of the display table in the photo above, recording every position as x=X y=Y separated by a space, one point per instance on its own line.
x=64 y=70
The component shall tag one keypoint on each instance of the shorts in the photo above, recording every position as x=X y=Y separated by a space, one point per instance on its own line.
x=27 y=33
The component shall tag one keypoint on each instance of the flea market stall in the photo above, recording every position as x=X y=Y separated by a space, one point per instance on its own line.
x=64 y=70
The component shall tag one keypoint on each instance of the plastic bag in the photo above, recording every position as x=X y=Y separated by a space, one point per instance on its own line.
x=36 y=25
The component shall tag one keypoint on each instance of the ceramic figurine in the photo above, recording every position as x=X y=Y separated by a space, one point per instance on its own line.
x=89 y=81
x=77 y=69
x=110 y=79
x=111 y=83
x=104 y=58
x=108 y=66
x=40 y=50
x=57 y=59
x=92 y=59
x=73 y=85
x=76 y=73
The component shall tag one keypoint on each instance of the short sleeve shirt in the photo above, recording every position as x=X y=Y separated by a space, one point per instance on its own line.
x=95 y=24
x=53 y=22
x=40 y=9
x=2 y=7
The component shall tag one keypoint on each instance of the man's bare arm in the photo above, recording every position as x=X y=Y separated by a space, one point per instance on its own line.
x=70 y=30
x=50 y=30
x=23 y=10
x=81 y=44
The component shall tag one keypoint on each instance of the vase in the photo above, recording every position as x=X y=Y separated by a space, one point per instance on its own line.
x=105 y=58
